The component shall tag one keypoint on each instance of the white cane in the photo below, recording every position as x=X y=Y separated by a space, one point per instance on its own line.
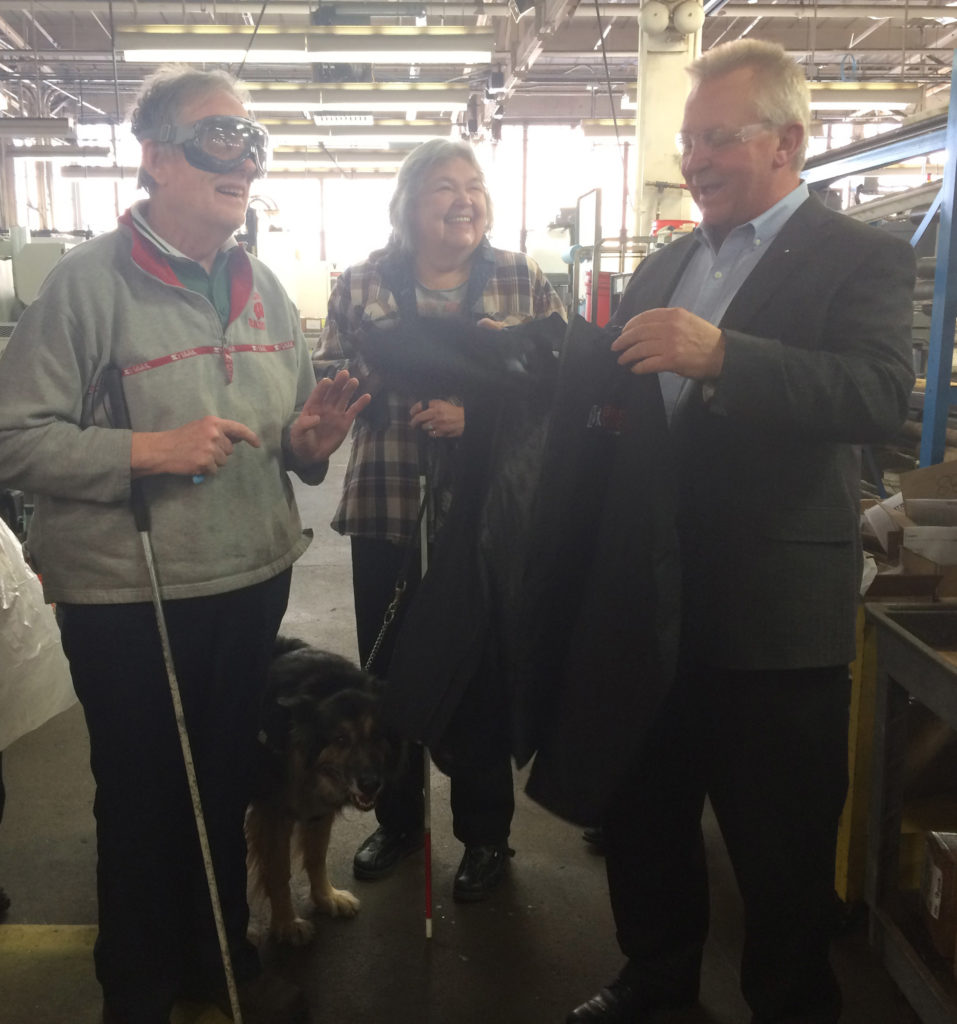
x=426 y=759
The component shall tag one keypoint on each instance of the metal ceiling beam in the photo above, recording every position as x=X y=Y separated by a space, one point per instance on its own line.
x=895 y=12
x=918 y=139
x=887 y=206
x=844 y=12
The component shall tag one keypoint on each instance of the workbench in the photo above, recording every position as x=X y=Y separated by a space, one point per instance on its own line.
x=916 y=660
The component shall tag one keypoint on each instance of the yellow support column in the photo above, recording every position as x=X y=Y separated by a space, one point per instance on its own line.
x=852 y=831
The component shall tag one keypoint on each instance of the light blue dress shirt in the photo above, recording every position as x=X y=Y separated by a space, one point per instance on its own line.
x=712 y=277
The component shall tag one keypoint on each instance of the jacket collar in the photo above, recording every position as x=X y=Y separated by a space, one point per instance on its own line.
x=807 y=226
x=147 y=255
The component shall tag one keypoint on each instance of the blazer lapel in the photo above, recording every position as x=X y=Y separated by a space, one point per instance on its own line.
x=803 y=232
x=660 y=275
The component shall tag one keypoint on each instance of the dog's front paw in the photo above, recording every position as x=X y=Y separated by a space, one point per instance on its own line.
x=296 y=932
x=336 y=902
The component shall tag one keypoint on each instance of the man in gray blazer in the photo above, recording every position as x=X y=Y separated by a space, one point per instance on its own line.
x=781 y=334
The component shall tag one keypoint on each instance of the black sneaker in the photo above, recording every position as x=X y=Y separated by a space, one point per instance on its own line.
x=381 y=852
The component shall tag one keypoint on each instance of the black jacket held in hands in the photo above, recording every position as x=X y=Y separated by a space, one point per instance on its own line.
x=552 y=587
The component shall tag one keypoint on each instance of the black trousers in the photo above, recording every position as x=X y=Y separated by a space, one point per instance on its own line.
x=770 y=750
x=157 y=938
x=482 y=793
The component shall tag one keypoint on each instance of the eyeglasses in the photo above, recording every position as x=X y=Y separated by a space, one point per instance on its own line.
x=218 y=144
x=718 y=138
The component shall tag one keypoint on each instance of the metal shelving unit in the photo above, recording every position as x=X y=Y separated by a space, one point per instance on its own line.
x=912 y=645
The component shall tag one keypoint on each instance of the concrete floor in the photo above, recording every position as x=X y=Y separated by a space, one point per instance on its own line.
x=541 y=944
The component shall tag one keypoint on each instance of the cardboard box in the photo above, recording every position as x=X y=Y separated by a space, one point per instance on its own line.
x=934 y=483
x=927 y=517
x=883 y=580
x=913 y=535
x=944 y=572
x=895 y=584
x=885 y=521
x=938 y=891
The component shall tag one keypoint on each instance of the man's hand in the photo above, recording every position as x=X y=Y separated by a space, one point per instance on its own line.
x=671 y=339
x=326 y=418
x=198 y=448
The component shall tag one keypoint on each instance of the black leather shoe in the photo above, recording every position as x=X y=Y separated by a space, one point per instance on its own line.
x=620 y=1003
x=481 y=869
x=379 y=854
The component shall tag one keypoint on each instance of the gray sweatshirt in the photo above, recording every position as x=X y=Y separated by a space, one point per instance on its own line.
x=114 y=301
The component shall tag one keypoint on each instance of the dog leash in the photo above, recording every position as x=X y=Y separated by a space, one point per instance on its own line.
x=141 y=516
x=401 y=583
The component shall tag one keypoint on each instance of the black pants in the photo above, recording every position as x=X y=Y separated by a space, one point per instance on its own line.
x=482 y=794
x=770 y=750
x=157 y=937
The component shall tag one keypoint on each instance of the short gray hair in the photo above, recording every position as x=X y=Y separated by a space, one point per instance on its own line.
x=413 y=172
x=167 y=91
x=781 y=94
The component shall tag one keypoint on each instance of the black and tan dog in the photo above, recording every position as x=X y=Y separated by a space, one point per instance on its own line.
x=323 y=747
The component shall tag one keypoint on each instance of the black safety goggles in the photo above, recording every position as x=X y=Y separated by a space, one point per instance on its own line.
x=218 y=144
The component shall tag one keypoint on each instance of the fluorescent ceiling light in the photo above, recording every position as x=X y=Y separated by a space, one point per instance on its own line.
x=328 y=157
x=55 y=153
x=98 y=171
x=360 y=97
x=314 y=173
x=338 y=120
x=377 y=44
x=863 y=96
x=374 y=135
x=604 y=128
x=328 y=171
x=37 y=128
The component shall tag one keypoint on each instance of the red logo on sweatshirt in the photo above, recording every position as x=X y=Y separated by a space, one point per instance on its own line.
x=258 y=319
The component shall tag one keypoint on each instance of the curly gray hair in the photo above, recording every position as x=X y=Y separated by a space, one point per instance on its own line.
x=413 y=172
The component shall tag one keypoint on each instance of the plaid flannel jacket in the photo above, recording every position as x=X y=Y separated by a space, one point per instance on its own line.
x=380 y=496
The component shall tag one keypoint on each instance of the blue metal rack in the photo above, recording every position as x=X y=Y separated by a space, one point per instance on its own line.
x=940 y=392
x=928 y=136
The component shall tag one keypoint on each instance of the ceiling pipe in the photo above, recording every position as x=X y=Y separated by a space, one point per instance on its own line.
x=892 y=12
x=156 y=7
